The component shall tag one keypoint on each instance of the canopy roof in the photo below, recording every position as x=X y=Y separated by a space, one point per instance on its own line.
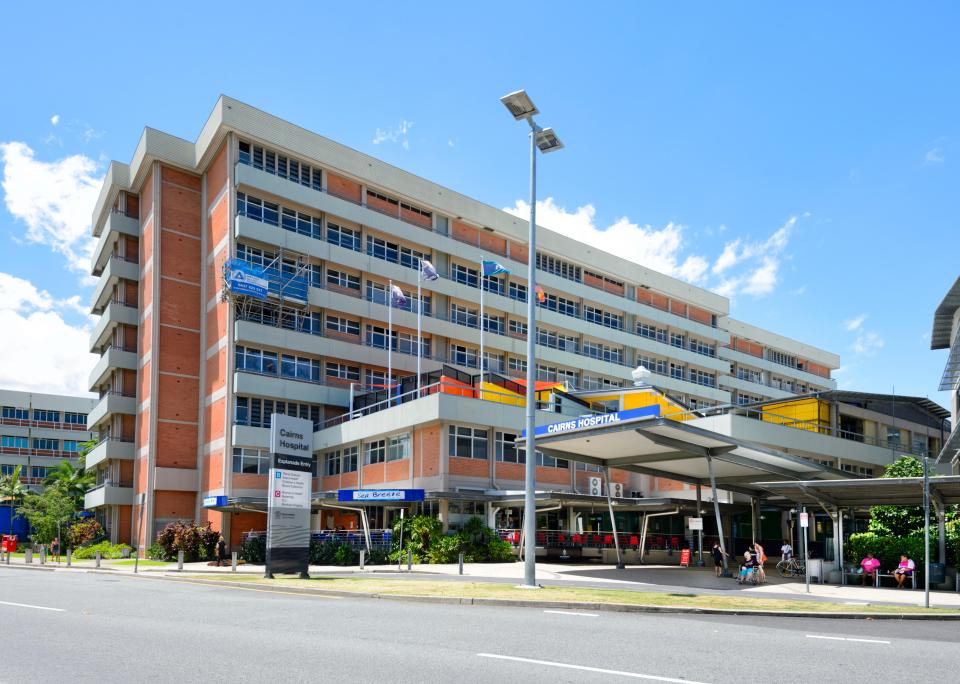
x=943 y=318
x=677 y=450
x=878 y=491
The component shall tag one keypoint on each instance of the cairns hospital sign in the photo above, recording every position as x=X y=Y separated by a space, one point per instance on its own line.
x=597 y=420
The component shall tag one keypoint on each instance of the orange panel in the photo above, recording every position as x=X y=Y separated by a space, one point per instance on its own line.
x=216 y=372
x=124 y=524
x=178 y=177
x=179 y=303
x=176 y=445
x=519 y=252
x=175 y=505
x=180 y=209
x=242 y=523
x=180 y=256
x=465 y=233
x=426 y=448
x=177 y=397
x=493 y=243
x=179 y=351
x=342 y=187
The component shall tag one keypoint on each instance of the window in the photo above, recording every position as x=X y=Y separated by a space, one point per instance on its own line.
x=564 y=269
x=463 y=356
x=461 y=315
x=703 y=378
x=72 y=418
x=15 y=442
x=494 y=284
x=7 y=469
x=348 y=462
x=464 y=275
x=743 y=399
x=280 y=165
x=343 y=237
x=781 y=358
x=45 y=416
x=343 y=325
x=651 y=332
x=652 y=364
x=251 y=461
x=557 y=340
x=595 y=382
x=749 y=375
x=397 y=254
x=71 y=445
x=601 y=317
x=382 y=198
x=603 y=352
x=46 y=444
x=256 y=412
x=700 y=347
x=493 y=323
x=39 y=472
x=377 y=337
x=517 y=291
x=342 y=371
x=493 y=362
x=606 y=280
x=286 y=366
x=893 y=435
x=676 y=371
x=344 y=280
x=676 y=340
x=562 y=305
x=374 y=452
x=507 y=452
x=467 y=442
x=15 y=413
x=374 y=378
x=398 y=448
x=287 y=317
x=518 y=328
x=516 y=365
x=331 y=463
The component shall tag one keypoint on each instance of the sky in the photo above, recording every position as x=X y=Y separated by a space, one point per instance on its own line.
x=801 y=160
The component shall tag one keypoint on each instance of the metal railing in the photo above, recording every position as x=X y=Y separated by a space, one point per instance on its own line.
x=379 y=539
x=24 y=422
x=111 y=483
x=600 y=539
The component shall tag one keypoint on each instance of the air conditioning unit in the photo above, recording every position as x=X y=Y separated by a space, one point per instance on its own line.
x=636 y=495
x=594 y=486
x=616 y=490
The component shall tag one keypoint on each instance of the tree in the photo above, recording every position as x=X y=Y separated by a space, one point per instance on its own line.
x=902 y=521
x=71 y=480
x=12 y=490
x=46 y=512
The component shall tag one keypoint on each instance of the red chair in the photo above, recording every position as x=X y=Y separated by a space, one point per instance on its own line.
x=562 y=538
x=578 y=540
x=541 y=537
x=634 y=541
x=607 y=539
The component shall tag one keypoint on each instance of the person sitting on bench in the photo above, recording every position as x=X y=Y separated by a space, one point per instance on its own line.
x=869 y=566
x=904 y=570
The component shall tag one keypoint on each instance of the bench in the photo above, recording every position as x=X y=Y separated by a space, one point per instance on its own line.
x=912 y=578
x=855 y=572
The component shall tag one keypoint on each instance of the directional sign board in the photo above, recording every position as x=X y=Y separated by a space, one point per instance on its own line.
x=289 y=492
x=696 y=524
x=804 y=519
x=595 y=420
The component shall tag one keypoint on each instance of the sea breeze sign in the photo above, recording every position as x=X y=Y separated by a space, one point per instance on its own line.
x=375 y=495
x=289 y=491
x=597 y=420
x=246 y=279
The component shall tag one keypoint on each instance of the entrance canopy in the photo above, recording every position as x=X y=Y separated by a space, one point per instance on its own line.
x=679 y=451
x=882 y=491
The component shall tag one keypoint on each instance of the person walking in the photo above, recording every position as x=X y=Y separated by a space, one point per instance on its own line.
x=221 y=551
x=718 y=555
x=55 y=549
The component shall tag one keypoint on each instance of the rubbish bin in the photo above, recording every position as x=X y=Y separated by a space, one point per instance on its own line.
x=815 y=569
x=938 y=573
x=9 y=543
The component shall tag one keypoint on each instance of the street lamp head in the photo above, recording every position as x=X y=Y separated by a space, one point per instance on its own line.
x=520 y=105
x=548 y=141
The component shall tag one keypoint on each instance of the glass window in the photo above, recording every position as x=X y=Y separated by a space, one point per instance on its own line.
x=374 y=452
x=17 y=413
x=343 y=237
x=349 y=461
x=343 y=325
x=46 y=444
x=331 y=463
x=251 y=461
x=71 y=445
x=344 y=280
x=15 y=442
x=46 y=416
x=467 y=442
x=72 y=418
x=398 y=448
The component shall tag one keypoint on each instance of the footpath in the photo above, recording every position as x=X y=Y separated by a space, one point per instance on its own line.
x=499 y=578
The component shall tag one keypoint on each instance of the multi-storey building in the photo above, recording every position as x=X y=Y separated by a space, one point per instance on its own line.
x=190 y=375
x=39 y=431
x=946 y=335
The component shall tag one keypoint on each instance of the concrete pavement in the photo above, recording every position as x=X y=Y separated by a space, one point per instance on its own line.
x=113 y=628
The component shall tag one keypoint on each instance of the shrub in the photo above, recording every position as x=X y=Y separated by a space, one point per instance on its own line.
x=83 y=532
x=378 y=557
x=346 y=555
x=323 y=552
x=887 y=548
x=254 y=549
x=197 y=541
x=106 y=549
x=157 y=552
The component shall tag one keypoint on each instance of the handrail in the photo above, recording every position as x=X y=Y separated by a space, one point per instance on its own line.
x=26 y=422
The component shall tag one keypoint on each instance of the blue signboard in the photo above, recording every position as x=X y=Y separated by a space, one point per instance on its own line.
x=377 y=495
x=246 y=279
x=597 y=420
x=211 y=501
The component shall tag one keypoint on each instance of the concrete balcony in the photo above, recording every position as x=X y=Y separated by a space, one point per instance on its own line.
x=112 y=357
x=109 y=494
x=114 y=314
x=755 y=388
x=110 y=450
x=110 y=404
x=116 y=269
x=116 y=226
x=777 y=369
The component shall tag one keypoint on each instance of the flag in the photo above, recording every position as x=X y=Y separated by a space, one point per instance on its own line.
x=427 y=271
x=397 y=297
x=541 y=295
x=492 y=268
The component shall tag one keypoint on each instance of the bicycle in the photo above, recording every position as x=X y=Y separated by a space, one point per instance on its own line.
x=792 y=567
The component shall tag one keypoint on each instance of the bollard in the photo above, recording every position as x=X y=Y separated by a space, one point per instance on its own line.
x=28 y=556
x=363 y=557
x=233 y=561
x=69 y=557
x=43 y=555
x=180 y=560
x=461 y=562
x=409 y=560
x=8 y=558
x=96 y=558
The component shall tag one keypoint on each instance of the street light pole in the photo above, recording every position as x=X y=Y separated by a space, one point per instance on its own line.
x=521 y=107
x=926 y=532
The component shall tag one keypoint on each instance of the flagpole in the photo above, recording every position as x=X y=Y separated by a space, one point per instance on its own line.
x=390 y=342
x=480 y=282
x=419 y=314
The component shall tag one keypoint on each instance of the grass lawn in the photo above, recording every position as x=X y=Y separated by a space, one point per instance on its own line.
x=143 y=561
x=548 y=594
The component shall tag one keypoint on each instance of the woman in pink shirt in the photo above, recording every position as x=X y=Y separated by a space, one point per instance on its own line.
x=870 y=566
x=904 y=570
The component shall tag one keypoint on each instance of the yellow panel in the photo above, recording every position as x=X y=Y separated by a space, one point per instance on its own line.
x=501 y=395
x=805 y=414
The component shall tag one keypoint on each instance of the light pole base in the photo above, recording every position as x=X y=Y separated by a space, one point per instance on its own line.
x=621 y=566
x=529 y=586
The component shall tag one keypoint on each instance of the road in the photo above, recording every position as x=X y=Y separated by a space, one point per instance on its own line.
x=100 y=628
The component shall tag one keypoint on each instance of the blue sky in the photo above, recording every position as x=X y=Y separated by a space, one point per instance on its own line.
x=802 y=160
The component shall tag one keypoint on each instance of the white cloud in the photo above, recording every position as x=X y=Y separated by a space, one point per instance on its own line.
x=663 y=249
x=935 y=156
x=868 y=343
x=55 y=119
x=54 y=199
x=855 y=323
x=51 y=354
x=396 y=135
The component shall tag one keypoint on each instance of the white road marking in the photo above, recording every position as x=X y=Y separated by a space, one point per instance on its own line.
x=835 y=638
x=584 y=668
x=27 y=605
x=572 y=612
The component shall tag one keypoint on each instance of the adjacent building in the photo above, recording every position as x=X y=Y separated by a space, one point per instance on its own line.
x=189 y=373
x=946 y=335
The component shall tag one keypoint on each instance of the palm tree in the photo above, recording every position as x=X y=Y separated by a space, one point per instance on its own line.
x=12 y=490
x=71 y=480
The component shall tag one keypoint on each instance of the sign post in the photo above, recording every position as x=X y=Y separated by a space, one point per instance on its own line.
x=288 y=496
x=804 y=523
x=696 y=525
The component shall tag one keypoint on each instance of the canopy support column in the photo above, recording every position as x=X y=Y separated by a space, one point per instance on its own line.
x=716 y=513
x=613 y=522
x=700 y=531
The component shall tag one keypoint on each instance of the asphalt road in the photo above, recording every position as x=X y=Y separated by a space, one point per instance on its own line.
x=99 y=628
